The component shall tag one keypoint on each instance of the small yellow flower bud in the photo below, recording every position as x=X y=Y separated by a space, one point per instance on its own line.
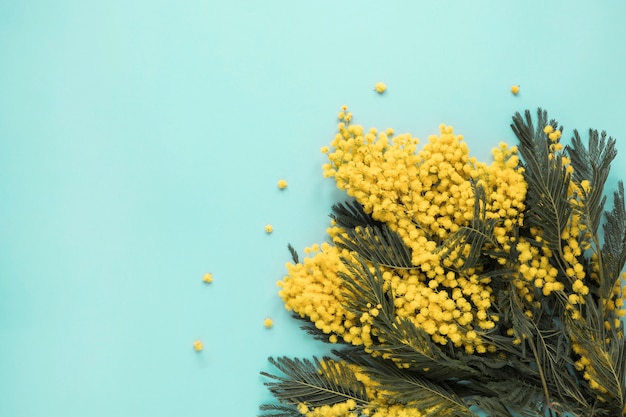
x=269 y=228
x=380 y=88
x=208 y=278
x=268 y=322
x=282 y=184
x=515 y=90
x=198 y=345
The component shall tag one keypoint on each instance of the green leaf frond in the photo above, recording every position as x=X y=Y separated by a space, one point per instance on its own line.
x=490 y=405
x=294 y=254
x=372 y=240
x=351 y=215
x=592 y=164
x=607 y=358
x=547 y=199
x=614 y=248
x=511 y=397
x=411 y=347
x=315 y=383
x=364 y=288
x=413 y=389
x=479 y=233
x=544 y=356
x=279 y=410
x=405 y=343
x=379 y=245
x=513 y=311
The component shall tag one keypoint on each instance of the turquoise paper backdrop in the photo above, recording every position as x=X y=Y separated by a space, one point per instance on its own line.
x=140 y=146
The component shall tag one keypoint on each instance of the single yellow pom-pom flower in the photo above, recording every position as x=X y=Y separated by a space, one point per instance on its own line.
x=268 y=322
x=208 y=278
x=282 y=184
x=324 y=149
x=269 y=228
x=380 y=88
x=515 y=90
x=198 y=345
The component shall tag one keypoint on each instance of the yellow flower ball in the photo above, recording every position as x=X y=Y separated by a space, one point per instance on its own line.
x=198 y=345
x=268 y=322
x=269 y=228
x=282 y=184
x=515 y=90
x=208 y=278
x=380 y=88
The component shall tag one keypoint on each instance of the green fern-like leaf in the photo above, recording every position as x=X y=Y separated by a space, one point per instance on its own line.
x=410 y=345
x=314 y=383
x=378 y=244
x=294 y=254
x=371 y=239
x=512 y=396
x=543 y=359
x=592 y=163
x=490 y=405
x=351 y=215
x=614 y=248
x=364 y=289
x=548 y=181
x=607 y=358
x=279 y=410
x=414 y=389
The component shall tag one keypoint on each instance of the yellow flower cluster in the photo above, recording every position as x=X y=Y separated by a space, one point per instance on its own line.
x=343 y=409
x=380 y=87
x=312 y=289
x=425 y=196
x=282 y=184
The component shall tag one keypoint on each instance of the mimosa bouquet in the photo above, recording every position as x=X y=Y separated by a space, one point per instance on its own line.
x=454 y=287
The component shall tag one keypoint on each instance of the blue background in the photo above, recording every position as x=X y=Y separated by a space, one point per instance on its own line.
x=141 y=143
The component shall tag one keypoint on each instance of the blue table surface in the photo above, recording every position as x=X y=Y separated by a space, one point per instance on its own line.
x=140 y=147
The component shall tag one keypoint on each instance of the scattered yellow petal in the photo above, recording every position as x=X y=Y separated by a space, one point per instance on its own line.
x=380 y=87
x=515 y=89
x=269 y=228
x=282 y=184
x=268 y=322
x=208 y=278
x=198 y=345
